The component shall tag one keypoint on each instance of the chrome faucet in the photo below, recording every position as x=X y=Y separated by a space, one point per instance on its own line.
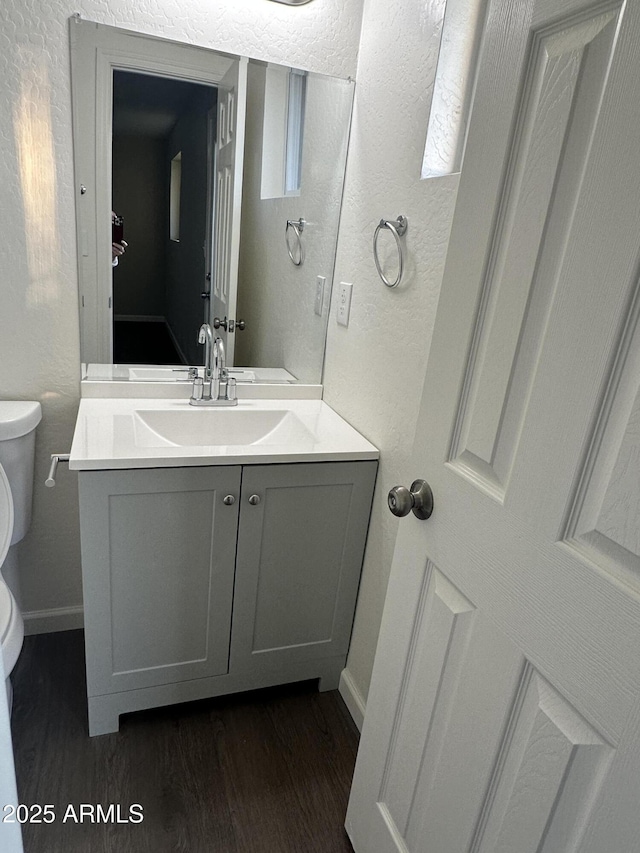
x=219 y=373
x=205 y=336
x=208 y=391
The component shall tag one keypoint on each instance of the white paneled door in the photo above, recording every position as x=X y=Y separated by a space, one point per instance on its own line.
x=504 y=712
x=229 y=163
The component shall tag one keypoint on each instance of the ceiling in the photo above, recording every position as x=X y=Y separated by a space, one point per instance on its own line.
x=146 y=105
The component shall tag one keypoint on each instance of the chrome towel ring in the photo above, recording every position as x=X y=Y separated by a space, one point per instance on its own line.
x=398 y=228
x=297 y=252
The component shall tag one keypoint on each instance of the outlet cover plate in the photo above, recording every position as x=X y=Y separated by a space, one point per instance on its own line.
x=344 y=303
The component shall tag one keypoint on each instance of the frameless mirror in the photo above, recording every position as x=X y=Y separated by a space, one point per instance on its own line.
x=228 y=176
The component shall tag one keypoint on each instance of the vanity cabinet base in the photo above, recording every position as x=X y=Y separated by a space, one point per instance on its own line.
x=105 y=711
x=204 y=581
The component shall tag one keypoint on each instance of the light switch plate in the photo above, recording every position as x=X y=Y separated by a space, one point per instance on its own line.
x=344 y=303
x=320 y=282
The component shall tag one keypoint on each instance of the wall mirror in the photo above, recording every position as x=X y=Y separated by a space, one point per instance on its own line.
x=228 y=175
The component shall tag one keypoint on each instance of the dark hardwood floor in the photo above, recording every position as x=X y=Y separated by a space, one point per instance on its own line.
x=143 y=343
x=261 y=772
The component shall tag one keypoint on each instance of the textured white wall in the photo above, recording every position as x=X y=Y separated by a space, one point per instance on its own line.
x=375 y=368
x=39 y=337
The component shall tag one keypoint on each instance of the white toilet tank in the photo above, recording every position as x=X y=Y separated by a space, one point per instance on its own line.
x=18 y=422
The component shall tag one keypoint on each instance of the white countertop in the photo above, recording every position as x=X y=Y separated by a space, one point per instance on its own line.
x=169 y=382
x=148 y=433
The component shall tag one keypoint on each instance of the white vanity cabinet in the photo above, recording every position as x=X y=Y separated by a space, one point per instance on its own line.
x=158 y=556
x=200 y=581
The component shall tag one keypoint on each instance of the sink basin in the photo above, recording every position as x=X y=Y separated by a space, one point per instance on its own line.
x=192 y=427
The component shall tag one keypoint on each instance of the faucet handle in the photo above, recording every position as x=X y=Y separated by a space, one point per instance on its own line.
x=198 y=388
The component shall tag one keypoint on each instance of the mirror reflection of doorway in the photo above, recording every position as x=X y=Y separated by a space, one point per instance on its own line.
x=161 y=186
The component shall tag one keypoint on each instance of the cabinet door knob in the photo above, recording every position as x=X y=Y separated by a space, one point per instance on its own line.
x=254 y=499
x=229 y=500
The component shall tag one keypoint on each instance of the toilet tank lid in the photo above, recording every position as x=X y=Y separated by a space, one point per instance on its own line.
x=18 y=417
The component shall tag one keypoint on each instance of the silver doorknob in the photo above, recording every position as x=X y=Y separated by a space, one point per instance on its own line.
x=227 y=325
x=418 y=499
x=229 y=500
x=254 y=500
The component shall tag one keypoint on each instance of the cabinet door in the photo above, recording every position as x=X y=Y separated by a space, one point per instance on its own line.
x=300 y=547
x=158 y=555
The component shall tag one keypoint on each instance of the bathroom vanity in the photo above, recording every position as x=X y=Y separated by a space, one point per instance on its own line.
x=221 y=549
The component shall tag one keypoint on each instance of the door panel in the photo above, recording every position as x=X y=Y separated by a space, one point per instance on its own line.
x=232 y=95
x=504 y=709
x=464 y=666
x=602 y=524
x=158 y=555
x=528 y=767
x=300 y=549
x=532 y=220
x=550 y=768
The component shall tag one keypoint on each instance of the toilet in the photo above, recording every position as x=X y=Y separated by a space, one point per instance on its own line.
x=18 y=422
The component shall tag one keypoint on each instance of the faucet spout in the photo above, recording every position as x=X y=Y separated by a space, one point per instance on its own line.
x=218 y=367
x=219 y=359
x=205 y=336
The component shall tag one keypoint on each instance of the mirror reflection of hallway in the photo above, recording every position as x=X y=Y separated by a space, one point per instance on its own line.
x=157 y=286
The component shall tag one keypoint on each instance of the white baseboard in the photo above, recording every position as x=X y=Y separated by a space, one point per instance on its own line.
x=352 y=698
x=55 y=619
